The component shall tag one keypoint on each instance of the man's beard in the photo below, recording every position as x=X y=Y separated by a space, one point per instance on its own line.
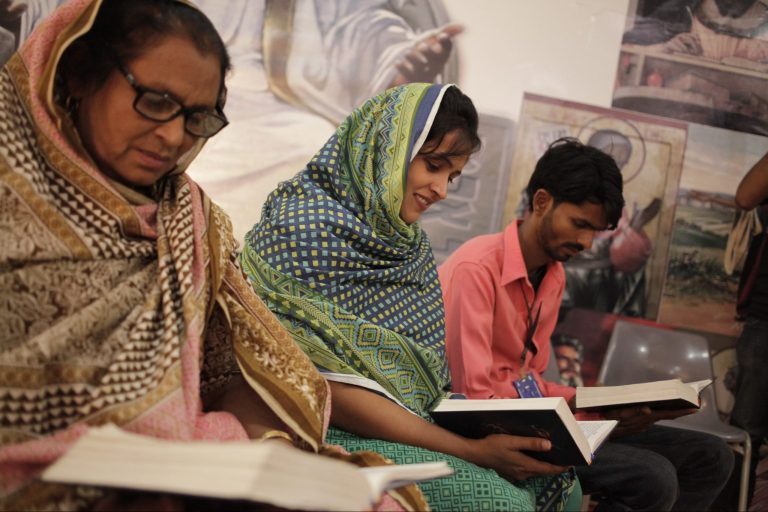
x=550 y=250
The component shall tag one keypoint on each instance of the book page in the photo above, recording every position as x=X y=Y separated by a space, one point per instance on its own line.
x=597 y=431
x=647 y=392
x=699 y=385
x=500 y=404
x=264 y=472
x=391 y=476
x=549 y=418
x=362 y=382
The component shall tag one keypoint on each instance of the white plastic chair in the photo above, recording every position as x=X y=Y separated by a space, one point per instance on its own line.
x=643 y=353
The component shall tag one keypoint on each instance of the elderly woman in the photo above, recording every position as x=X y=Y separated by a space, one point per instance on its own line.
x=340 y=257
x=121 y=300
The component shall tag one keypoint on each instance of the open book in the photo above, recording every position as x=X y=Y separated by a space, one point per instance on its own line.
x=661 y=394
x=573 y=442
x=268 y=472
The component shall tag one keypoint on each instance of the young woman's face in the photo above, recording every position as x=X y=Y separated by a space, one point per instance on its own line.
x=129 y=147
x=428 y=177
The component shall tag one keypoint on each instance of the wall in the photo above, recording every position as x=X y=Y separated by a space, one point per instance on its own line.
x=561 y=48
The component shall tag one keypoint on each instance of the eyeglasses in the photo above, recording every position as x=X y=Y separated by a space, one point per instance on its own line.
x=162 y=107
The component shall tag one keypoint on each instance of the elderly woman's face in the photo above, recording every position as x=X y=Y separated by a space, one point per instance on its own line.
x=129 y=147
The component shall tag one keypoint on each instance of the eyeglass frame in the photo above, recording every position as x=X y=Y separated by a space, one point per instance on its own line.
x=186 y=111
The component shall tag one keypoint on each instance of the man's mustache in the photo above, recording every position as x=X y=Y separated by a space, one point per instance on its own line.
x=577 y=247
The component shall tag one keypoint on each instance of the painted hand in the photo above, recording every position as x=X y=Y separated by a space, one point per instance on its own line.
x=426 y=59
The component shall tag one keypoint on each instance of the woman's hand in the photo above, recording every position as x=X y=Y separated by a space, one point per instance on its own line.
x=503 y=453
x=368 y=414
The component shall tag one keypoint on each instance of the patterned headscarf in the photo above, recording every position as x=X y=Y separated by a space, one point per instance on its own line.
x=113 y=310
x=355 y=284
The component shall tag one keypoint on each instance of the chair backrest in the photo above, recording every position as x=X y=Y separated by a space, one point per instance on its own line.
x=643 y=353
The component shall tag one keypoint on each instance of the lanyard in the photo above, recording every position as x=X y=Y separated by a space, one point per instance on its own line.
x=531 y=324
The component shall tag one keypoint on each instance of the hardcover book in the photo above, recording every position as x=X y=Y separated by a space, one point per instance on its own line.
x=661 y=394
x=265 y=472
x=573 y=442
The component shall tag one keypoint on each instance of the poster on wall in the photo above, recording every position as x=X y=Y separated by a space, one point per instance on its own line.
x=623 y=272
x=704 y=61
x=700 y=290
x=298 y=69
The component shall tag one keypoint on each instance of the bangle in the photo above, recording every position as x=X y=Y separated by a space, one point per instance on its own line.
x=272 y=434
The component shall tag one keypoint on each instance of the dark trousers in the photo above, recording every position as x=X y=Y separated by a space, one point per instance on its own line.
x=750 y=409
x=660 y=469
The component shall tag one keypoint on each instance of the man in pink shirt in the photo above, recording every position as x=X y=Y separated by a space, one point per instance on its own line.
x=502 y=293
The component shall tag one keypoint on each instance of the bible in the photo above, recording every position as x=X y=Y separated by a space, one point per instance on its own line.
x=573 y=442
x=660 y=394
x=266 y=472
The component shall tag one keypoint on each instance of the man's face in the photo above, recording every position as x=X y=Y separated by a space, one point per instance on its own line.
x=568 y=228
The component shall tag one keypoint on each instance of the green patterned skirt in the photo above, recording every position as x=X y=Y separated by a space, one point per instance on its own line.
x=471 y=487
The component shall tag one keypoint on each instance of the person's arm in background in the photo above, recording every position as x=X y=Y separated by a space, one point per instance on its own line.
x=753 y=188
x=370 y=415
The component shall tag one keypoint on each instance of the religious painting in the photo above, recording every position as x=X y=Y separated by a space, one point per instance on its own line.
x=701 y=284
x=704 y=61
x=298 y=69
x=623 y=272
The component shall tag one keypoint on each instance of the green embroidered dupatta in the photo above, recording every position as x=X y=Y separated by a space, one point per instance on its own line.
x=355 y=285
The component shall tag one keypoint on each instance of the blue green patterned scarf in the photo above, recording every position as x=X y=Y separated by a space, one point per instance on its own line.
x=355 y=285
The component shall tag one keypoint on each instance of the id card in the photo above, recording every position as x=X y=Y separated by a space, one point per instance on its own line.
x=527 y=387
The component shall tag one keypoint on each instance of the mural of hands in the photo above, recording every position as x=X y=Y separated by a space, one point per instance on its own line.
x=428 y=56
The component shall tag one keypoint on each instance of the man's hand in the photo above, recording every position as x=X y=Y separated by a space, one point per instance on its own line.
x=637 y=419
x=502 y=453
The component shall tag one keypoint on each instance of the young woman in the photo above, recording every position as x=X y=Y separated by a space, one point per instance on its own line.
x=121 y=300
x=339 y=256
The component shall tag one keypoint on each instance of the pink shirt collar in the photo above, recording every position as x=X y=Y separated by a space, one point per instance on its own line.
x=513 y=266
